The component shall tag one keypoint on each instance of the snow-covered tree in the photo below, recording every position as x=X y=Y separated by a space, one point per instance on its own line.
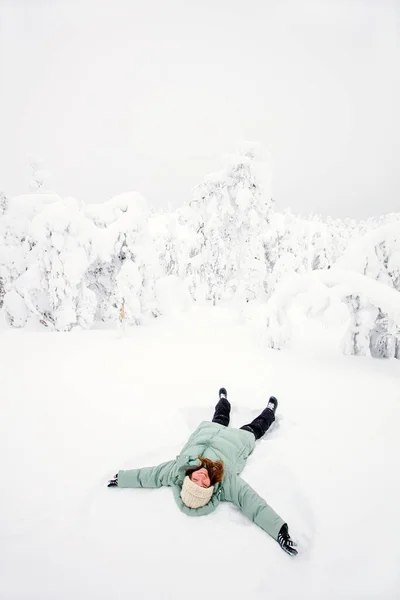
x=3 y=203
x=52 y=284
x=2 y=291
x=3 y=209
x=286 y=248
x=39 y=175
x=362 y=317
x=384 y=338
x=125 y=300
x=376 y=254
x=177 y=239
x=16 y=243
x=125 y=269
x=216 y=211
x=234 y=209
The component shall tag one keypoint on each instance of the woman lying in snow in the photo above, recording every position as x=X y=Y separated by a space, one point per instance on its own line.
x=207 y=471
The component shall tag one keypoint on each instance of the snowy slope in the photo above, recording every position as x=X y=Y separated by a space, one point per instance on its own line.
x=77 y=407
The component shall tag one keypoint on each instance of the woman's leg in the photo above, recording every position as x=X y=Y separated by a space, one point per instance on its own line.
x=264 y=421
x=222 y=409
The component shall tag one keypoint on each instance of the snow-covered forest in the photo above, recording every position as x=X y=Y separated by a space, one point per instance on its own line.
x=65 y=264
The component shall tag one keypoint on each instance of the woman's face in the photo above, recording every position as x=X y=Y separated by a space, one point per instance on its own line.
x=201 y=478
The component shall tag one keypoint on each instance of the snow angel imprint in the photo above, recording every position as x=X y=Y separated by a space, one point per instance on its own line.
x=207 y=471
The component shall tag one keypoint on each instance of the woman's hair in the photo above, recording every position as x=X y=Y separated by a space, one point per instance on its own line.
x=215 y=469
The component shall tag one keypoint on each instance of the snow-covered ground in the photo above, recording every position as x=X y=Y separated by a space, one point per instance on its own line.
x=77 y=407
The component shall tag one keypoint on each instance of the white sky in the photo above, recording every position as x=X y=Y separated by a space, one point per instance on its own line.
x=139 y=94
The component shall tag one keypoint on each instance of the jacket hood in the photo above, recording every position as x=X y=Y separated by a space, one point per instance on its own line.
x=184 y=463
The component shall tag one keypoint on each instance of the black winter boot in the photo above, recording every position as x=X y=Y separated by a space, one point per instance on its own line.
x=272 y=404
x=223 y=409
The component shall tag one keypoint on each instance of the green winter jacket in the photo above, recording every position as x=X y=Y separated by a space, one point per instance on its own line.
x=215 y=442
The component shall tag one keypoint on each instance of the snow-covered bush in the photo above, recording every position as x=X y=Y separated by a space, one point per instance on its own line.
x=376 y=254
x=297 y=244
x=372 y=324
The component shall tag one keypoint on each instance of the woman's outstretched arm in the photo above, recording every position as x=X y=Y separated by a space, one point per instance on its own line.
x=147 y=477
x=237 y=491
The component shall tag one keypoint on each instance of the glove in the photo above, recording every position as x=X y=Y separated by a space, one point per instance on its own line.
x=285 y=541
x=114 y=481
